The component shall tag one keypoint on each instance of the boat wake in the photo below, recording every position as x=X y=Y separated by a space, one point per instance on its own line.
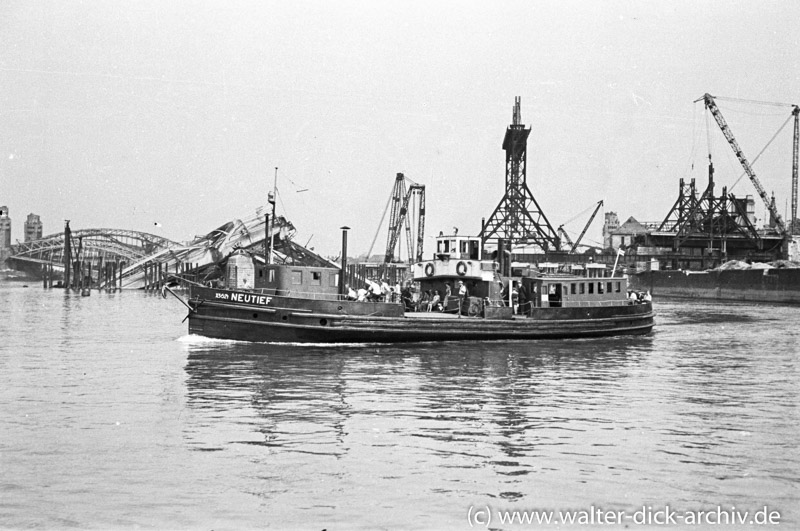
x=193 y=339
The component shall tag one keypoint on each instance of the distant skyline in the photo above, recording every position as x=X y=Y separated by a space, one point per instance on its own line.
x=170 y=117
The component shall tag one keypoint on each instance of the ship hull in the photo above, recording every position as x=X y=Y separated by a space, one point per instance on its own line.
x=750 y=285
x=308 y=321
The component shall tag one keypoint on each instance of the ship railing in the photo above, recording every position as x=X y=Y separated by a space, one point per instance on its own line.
x=309 y=295
x=594 y=304
x=573 y=304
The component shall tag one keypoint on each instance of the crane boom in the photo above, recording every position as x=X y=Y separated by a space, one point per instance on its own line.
x=793 y=221
x=564 y=235
x=591 y=218
x=711 y=105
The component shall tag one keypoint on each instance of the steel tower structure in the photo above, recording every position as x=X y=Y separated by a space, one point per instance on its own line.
x=518 y=218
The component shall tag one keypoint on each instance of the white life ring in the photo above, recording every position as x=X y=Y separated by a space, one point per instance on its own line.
x=461 y=269
x=429 y=269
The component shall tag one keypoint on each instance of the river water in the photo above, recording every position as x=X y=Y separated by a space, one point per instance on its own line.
x=112 y=417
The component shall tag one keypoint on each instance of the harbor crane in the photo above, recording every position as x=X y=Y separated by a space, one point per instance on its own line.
x=711 y=105
x=399 y=218
x=574 y=245
x=408 y=209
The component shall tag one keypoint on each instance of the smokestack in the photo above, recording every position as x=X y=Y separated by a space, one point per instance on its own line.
x=343 y=274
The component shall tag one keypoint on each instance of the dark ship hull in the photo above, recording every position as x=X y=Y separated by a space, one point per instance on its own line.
x=226 y=314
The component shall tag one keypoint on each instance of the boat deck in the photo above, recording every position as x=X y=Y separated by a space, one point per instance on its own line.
x=435 y=315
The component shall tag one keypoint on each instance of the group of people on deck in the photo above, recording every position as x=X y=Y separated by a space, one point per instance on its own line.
x=374 y=291
x=438 y=301
x=637 y=297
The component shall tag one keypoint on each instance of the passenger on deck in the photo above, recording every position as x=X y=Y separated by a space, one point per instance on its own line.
x=374 y=291
x=434 y=302
x=422 y=305
x=350 y=293
x=361 y=295
x=522 y=295
x=408 y=300
x=462 y=296
x=647 y=297
x=385 y=291
x=447 y=293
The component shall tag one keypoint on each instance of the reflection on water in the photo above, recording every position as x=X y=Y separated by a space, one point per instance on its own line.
x=458 y=392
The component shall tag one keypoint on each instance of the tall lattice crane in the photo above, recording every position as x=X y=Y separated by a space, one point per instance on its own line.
x=408 y=212
x=399 y=218
x=711 y=105
x=518 y=217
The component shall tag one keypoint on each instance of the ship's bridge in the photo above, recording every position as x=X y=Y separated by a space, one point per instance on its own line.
x=455 y=247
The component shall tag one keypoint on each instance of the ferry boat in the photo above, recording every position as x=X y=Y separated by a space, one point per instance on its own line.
x=265 y=302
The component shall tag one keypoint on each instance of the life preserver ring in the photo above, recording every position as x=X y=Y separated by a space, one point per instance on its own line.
x=429 y=269
x=461 y=269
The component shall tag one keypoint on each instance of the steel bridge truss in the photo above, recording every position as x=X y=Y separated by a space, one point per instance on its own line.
x=143 y=260
x=110 y=244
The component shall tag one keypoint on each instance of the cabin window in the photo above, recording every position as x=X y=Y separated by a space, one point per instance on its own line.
x=618 y=287
x=583 y=288
x=334 y=279
x=608 y=287
x=297 y=277
x=573 y=288
x=591 y=288
x=599 y=288
x=474 y=253
x=261 y=273
x=316 y=278
x=271 y=275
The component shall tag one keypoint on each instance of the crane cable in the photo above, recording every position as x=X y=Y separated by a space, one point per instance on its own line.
x=773 y=103
x=763 y=150
x=380 y=224
x=579 y=214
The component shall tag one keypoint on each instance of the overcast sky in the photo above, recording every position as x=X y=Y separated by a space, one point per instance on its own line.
x=126 y=114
